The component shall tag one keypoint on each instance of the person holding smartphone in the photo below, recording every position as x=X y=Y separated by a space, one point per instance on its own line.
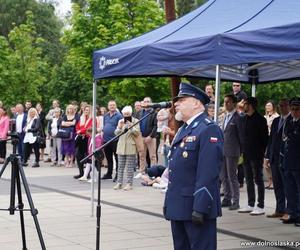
x=126 y=148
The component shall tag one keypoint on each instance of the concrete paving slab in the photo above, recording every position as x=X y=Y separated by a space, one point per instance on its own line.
x=129 y=220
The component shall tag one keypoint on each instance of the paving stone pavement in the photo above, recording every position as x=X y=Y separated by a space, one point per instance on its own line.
x=129 y=219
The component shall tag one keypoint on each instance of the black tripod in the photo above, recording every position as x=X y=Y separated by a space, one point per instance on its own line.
x=17 y=172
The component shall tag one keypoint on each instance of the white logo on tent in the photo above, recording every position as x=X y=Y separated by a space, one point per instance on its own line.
x=103 y=62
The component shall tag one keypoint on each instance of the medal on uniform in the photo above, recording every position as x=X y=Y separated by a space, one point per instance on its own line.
x=185 y=154
x=191 y=139
x=182 y=144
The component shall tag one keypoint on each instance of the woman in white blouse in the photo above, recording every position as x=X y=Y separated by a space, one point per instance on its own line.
x=270 y=114
x=32 y=130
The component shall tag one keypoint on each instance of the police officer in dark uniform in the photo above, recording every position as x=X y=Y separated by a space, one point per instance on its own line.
x=192 y=201
x=291 y=162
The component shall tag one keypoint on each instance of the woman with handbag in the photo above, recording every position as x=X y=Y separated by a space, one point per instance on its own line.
x=68 y=143
x=82 y=138
x=32 y=129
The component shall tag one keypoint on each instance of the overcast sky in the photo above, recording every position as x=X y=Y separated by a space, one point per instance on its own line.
x=63 y=7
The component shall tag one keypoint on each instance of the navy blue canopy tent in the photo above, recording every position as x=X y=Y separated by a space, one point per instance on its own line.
x=255 y=41
x=252 y=41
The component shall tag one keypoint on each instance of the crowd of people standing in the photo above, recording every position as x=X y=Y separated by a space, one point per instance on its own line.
x=256 y=142
x=262 y=142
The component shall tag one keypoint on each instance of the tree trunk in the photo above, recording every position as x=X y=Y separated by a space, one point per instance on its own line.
x=171 y=16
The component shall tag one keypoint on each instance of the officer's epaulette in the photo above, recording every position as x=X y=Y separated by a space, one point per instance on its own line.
x=208 y=121
x=195 y=124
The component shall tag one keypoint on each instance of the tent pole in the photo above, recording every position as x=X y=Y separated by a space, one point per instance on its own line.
x=253 y=89
x=93 y=147
x=217 y=96
x=253 y=79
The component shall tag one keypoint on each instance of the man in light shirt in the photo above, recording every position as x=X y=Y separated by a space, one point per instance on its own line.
x=20 y=124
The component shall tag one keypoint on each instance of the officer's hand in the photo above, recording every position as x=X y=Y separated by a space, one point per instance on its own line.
x=197 y=218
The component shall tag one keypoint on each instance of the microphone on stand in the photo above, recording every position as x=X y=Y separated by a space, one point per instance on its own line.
x=159 y=105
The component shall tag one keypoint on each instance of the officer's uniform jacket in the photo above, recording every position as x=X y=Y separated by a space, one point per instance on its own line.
x=291 y=140
x=274 y=143
x=195 y=160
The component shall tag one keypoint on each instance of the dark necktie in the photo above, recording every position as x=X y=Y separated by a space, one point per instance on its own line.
x=281 y=120
x=183 y=127
x=181 y=130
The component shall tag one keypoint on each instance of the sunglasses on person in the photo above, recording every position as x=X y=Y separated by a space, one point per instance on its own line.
x=236 y=85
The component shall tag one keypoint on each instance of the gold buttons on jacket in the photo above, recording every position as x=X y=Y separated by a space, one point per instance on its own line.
x=185 y=154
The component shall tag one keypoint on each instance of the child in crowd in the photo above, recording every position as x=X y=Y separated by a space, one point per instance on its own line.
x=166 y=125
x=88 y=165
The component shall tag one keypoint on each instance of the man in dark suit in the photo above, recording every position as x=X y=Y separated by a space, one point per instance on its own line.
x=21 y=119
x=232 y=150
x=255 y=140
x=291 y=162
x=192 y=201
x=273 y=159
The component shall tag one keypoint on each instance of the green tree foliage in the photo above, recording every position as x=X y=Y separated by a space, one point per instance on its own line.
x=103 y=23
x=48 y=26
x=41 y=47
x=12 y=12
x=66 y=85
x=80 y=3
x=276 y=91
x=25 y=66
x=4 y=71
x=127 y=91
x=185 y=6
x=264 y=92
x=36 y=64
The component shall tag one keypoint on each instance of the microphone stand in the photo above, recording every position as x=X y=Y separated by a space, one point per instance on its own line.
x=98 y=155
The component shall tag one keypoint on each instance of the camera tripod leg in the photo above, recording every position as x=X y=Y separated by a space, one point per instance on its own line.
x=34 y=211
x=12 y=206
x=21 y=206
x=7 y=160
